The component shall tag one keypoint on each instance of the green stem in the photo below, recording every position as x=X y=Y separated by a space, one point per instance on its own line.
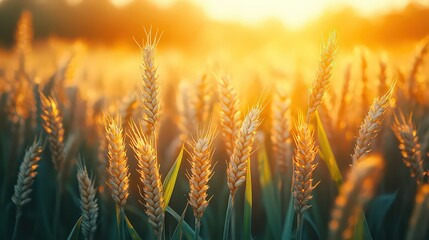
x=57 y=205
x=17 y=218
x=197 y=228
x=121 y=224
x=300 y=223
x=228 y=217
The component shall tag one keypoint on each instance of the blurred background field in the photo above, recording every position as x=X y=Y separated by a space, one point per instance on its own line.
x=87 y=55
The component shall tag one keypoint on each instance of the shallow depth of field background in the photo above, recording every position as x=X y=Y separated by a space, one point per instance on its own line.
x=263 y=45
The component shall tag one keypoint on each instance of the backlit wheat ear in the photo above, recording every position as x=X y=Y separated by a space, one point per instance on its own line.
x=382 y=77
x=354 y=193
x=419 y=220
x=409 y=145
x=417 y=64
x=149 y=89
x=230 y=116
x=304 y=166
x=88 y=202
x=201 y=172
x=187 y=116
x=281 y=131
x=202 y=99
x=27 y=174
x=341 y=123
x=128 y=109
x=117 y=170
x=23 y=37
x=236 y=172
x=323 y=74
x=364 y=77
x=146 y=156
x=53 y=125
x=371 y=125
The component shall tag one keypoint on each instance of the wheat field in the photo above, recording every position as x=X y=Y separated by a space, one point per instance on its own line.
x=340 y=152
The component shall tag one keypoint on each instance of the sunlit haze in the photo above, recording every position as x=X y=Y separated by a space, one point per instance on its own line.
x=293 y=13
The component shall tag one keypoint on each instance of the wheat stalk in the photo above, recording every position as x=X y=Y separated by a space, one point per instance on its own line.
x=53 y=125
x=88 y=202
x=354 y=193
x=419 y=220
x=229 y=111
x=409 y=145
x=201 y=172
x=149 y=88
x=281 y=131
x=236 y=172
x=371 y=125
x=304 y=166
x=145 y=153
x=118 y=180
x=323 y=75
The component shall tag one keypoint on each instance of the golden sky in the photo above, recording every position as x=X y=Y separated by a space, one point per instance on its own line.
x=293 y=13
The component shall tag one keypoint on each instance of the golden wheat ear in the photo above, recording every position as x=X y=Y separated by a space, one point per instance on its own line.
x=281 y=130
x=52 y=122
x=236 y=172
x=323 y=75
x=27 y=173
x=149 y=87
x=201 y=171
x=304 y=165
x=409 y=145
x=118 y=179
x=371 y=125
x=230 y=115
x=153 y=195
x=88 y=201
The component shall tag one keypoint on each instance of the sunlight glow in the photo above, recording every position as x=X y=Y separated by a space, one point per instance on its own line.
x=293 y=13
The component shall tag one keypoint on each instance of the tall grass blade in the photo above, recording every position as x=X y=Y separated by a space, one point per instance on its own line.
x=326 y=153
x=133 y=233
x=74 y=234
x=269 y=197
x=170 y=179
x=177 y=234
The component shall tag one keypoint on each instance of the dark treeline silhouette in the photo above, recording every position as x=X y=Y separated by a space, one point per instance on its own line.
x=186 y=26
